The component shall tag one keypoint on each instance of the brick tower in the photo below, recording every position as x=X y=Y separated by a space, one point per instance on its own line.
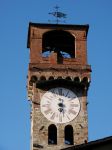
x=58 y=81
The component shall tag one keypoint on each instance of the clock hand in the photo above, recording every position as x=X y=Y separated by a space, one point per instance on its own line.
x=63 y=112
x=61 y=106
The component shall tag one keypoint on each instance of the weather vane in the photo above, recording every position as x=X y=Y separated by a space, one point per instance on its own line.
x=58 y=15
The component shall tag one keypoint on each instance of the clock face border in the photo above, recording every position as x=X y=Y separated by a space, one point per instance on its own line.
x=60 y=105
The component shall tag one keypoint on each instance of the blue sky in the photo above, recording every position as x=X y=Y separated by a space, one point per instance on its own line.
x=14 y=57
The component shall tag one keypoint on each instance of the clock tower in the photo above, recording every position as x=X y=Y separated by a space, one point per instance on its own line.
x=58 y=81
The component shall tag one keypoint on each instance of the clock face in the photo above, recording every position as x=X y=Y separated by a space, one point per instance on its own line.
x=60 y=105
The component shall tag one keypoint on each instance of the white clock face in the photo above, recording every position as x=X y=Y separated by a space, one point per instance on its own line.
x=60 y=105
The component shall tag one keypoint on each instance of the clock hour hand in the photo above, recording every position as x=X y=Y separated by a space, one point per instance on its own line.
x=61 y=106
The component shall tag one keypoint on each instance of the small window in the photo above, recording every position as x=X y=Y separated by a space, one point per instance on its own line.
x=52 y=134
x=69 y=135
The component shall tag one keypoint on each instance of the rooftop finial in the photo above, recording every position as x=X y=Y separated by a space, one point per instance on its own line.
x=58 y=15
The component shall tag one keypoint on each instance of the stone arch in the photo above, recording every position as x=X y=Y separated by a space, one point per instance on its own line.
x=68 y=78
x=52 y=134
x=33 y=79
x=60 y=42
x=69 y=135
x=43 y=78
x=59 y=77
x=85 y=80
x=51 y=78
x=77 y=79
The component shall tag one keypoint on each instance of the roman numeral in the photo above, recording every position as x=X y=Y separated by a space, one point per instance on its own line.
x=71 y=111
x=53 y=116
x=67 y=117
x=74 y=105
x=54 y=93
x=46 y=105
x=47 y=111
x=72 y=98
x=48 y=98
x=60 y=91
x=67 y=94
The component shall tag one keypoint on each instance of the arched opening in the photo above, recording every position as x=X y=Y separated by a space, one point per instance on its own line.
x=59 y=77
x=60 y=42
x=69 y=135
x=33 y=79
x=68 y=78
x=42 y=78
x=51 y=78
x=85 y=80
x=77 y=79
x=52 y=134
